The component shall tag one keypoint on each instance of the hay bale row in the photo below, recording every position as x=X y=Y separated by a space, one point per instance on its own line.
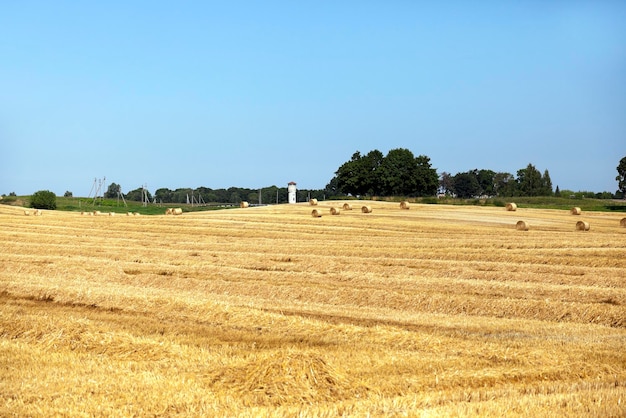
x=36 y=212
x=336 y=211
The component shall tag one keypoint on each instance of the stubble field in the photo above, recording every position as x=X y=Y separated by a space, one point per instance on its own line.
x=266 y=311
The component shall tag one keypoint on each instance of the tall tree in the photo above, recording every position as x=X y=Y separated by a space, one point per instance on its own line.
x=427 y=179
x=371 y=164
x=529 y=180
x=359 y=176
x=546 y=184
x=332 y=188
x=621 y=177
x=113 y=191
x=505 y=185
x=466 y=185
x=349 y=177
x=486 y=181
x=399 y=173
x=137 y=195
x=163 y=195
x=446 y=183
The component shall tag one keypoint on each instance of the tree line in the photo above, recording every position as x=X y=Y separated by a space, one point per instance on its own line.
x=399 y=173
x=205 y=195
x=529 y=182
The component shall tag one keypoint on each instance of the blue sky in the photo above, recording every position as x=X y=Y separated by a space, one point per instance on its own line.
x=260 y=93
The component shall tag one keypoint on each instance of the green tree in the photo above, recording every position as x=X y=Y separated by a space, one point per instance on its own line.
x=43 y=199
x=505 y=185
x=348 y=176
x=486 y=182
x=466 y=185
x=546 y=184
x=426 y=177
x=398 y=173
x=163 y=195
x=359 y=176
x=112 y=191
x=370 y=166
x=332 y=189
x=137 y=195
x=621 y=177
x=529 y=180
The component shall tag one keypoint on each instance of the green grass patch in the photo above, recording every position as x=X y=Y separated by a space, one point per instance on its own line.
x=539 y=202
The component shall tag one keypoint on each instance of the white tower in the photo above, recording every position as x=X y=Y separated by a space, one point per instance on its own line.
x=291 y=189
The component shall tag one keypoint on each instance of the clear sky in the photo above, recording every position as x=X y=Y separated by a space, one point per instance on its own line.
x=258 y=93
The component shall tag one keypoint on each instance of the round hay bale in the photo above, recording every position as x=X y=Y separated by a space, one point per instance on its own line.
x=347 y=206
x=622 y=223
x=97 y=213
x=334 y=211
x=582 y=226
x=177 y=211
x=313 y=202
x=111 y=213
x=521 y=226
x=26 y=213
x=169 y=211
x=366 y=209
x=316 y=213
x=404 y=205
x=244 y=204
x=576 y=211
x=511 y=207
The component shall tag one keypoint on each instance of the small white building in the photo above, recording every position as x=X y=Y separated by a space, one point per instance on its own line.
x=291 y=190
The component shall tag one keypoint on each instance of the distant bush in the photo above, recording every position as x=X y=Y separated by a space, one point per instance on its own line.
x=43 y=199
x=499 y=203
x=9 y=199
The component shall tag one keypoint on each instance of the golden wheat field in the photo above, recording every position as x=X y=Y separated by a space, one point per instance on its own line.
x=268 y=311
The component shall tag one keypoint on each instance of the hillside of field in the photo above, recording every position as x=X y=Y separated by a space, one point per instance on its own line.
x=437 y=310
